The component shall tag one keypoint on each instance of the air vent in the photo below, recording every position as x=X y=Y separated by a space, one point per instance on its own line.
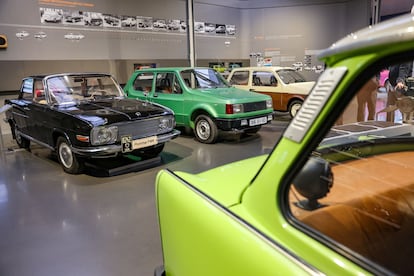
x=314 y=103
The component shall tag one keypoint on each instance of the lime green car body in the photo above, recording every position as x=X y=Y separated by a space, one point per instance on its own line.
x=236 y=219
x=201 y=100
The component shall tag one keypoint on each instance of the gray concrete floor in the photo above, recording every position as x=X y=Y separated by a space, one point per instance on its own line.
x=53 y=223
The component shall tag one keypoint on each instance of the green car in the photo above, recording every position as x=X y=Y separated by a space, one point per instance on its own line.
x=334 y=197
x=202 y=100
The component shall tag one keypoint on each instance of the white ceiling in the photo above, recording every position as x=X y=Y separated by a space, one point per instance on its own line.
x=387 y=6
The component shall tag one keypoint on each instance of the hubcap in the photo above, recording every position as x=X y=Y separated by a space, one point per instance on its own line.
x=65 y=155
x=17 y=135
x=203 y=130
x=295 y=109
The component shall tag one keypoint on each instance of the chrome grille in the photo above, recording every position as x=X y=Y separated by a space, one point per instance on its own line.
x=249 y=107
x=144 y=128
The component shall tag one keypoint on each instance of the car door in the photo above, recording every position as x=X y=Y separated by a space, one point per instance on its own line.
x=42 y=115
x=266 y=82
x=168 y=92
x=142 y=86
x=22 y=106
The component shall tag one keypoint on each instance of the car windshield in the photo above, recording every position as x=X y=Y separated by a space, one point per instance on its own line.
x=290 y=76
x=75 y=88
x=203 y=78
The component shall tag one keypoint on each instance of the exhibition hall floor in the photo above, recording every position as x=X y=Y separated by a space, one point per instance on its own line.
x=54 y=223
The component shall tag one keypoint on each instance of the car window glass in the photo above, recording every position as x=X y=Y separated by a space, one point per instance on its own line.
x=39 y=92
x=164 y=83
x=27 y=89
x=264 y=78
x=177 y=87
x=290 y=76
x=143 y=82
x=240 y=78
x=189 y=78
x=209 y=78
x=356 y=188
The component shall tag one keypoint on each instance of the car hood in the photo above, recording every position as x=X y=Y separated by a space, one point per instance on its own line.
x=112 y=111
x=303 y=88
x=226 y=184
x=234 y=93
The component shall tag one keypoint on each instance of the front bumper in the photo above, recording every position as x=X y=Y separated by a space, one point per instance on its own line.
x=112 y=150
x=240 y=124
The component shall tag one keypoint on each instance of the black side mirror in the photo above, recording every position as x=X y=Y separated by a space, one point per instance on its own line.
x=313 y=182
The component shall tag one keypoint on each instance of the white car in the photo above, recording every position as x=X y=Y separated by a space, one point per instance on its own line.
x=52 y=16
x=287 y=87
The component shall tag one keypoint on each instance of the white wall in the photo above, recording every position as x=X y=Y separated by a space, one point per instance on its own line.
x=290 y=29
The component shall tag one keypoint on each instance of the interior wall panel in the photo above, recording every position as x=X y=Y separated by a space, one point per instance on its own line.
x=290 y=29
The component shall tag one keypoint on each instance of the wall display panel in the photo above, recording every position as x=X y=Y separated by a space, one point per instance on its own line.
x=103 y=29
x=64 y=18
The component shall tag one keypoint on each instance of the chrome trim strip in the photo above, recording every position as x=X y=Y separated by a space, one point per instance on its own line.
x=34 y=140
x=103 y=150
x=277 y=246
x=113 y=149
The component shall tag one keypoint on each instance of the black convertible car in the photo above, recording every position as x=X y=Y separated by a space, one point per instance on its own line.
x=86 y=115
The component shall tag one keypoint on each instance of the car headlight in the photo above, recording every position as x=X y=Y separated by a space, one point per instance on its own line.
x=166 y=123
x=269 y=103
x=234 y=108
x=104 y=135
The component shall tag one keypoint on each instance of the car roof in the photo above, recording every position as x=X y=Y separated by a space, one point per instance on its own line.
x=158 y=69
x=392 y=31
x=42 y=76
x=267 y=68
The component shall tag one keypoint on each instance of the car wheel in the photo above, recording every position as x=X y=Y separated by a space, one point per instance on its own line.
x=21 y=141
x=294 y=107
x=69 y=161
x=149 y=152
x=205 y=129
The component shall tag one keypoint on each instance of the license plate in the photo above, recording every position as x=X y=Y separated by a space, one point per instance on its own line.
x=144 y=142
x=129 y=145
x=258 y=121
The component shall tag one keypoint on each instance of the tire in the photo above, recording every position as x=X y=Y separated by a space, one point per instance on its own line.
x=149 y=152
x=70 y=162
x=294 y=107
x=21 y=141
x=205 y=130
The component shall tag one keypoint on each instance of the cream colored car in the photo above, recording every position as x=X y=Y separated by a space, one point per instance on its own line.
x=285 y=85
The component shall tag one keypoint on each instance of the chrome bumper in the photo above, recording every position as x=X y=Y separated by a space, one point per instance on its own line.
x=113 y=150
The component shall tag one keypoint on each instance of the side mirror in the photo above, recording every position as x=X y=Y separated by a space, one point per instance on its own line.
x=313 y=182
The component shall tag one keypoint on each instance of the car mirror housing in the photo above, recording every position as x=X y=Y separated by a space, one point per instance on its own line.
x=313 y=182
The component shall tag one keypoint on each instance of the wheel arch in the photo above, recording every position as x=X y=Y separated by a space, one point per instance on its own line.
x=197 y=112
x=56 y=134
x=296 y=98
x=12 y=123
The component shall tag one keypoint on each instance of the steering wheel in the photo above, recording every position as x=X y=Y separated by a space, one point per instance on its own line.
x=96 y=92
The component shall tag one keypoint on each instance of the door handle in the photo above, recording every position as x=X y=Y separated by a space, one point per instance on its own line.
x=26 y=108
x=252 y=90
